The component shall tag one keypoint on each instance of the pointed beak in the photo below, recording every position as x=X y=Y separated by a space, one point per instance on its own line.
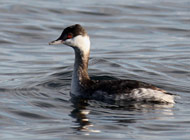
x=56 y=42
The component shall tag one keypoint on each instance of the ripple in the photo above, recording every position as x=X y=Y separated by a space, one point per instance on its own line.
x=29 y=115
x=169 y=29
x=140 y=40
x=43 y=104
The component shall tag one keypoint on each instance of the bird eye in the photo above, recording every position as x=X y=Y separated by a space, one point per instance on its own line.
x=69 y=36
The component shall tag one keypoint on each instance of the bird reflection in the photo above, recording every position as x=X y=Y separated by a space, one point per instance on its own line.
x=80 y=113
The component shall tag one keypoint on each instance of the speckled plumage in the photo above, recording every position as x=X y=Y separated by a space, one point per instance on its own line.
x=102 y=90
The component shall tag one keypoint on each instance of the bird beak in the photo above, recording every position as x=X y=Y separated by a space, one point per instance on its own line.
x=56 y=42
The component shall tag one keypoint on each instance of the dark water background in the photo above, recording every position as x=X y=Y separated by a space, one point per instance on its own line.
x=146 y=40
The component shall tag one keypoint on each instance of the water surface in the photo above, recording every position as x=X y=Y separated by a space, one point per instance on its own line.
x=140 y=40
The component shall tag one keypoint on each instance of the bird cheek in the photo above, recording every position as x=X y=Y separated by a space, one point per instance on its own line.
x=69 y=42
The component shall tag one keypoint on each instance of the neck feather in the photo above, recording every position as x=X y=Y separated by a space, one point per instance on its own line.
x=80 y=72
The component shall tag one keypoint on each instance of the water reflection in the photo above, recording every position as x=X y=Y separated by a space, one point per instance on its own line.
x=131 y=39
x=80 y=113
x=123 y=114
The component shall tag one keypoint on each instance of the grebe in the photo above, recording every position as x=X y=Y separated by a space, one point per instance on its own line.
x=76 y=37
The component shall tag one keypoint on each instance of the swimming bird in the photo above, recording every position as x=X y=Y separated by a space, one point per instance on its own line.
x=82 y=85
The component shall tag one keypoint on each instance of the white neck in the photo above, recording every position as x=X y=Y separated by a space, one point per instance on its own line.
x=80 y=72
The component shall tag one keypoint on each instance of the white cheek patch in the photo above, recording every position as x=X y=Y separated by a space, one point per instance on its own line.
x=68 y=42
x=82 y=42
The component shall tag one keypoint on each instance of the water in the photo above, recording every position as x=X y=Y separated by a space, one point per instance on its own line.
x=141 y=40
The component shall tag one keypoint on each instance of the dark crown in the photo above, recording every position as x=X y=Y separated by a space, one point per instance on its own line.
x=75 y=30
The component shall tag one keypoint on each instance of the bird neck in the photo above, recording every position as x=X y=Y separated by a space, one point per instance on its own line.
x=80 y=72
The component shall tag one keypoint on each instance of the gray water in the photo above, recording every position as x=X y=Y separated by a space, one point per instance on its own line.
x=147 y=40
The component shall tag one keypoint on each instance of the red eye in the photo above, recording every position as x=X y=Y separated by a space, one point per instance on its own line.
x=69 y=36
